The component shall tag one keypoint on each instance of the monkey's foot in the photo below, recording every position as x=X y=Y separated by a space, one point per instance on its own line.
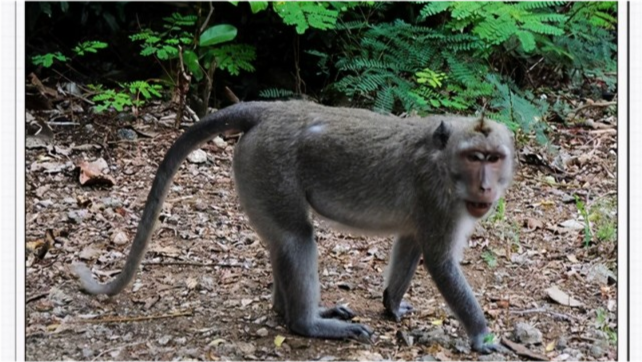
x=399 y=312
x=333 y=329
x=338 y=312
x=478 y=345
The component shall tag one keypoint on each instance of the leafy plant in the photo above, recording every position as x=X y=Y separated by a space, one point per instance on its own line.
x=581 y=208
x=130 y=95
x=500 y=210
x=490 y=258
x=602 y=322
x=602 y=215
x=89 y=47
x=47 y=60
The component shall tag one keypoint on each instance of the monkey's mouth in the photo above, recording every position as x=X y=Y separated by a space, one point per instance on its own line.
x=478 y=209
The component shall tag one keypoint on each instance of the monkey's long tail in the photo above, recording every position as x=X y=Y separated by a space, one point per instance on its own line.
x=240 y=117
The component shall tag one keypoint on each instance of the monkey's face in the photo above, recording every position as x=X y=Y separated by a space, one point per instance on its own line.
x=482 y=169
x=483 y=177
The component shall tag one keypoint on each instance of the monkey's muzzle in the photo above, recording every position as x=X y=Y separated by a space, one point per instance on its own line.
x=478 y=209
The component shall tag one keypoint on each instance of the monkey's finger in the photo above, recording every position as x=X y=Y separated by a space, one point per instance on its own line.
x=338 y=312
x=361 y=333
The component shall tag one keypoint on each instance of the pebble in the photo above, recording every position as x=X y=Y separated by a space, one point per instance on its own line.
x=527 y=334
x=263 y=332
x=198 y=156
x=127 y=134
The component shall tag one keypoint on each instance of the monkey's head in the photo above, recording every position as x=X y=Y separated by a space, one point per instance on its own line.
x=479 y=159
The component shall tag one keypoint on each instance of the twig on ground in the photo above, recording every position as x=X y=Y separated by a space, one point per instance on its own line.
x=185 y=313
x=544 y=310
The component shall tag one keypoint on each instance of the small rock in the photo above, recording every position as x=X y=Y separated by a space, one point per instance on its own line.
x=198 y=156
x=435 y=336
x=492 y=357
x=262 y=332
x=163 y=341
x=596 y=351
x=219 y=142
x=200 y=205
x=112 y=202
x=45 y=203
x=527 y=334
x=87 y=353
x=181 y=340
x=77 y=216
x=600 y=273
x=299 y=343
x=561 y=343
x=89 y=128
x=119 y=238
x=125 y=117
x=148 y=118
x=127 y=134
x=245 y=348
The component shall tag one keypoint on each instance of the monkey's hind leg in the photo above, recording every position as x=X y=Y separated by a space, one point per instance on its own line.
x=403 y=264
x=337 y=312
x=293 y=255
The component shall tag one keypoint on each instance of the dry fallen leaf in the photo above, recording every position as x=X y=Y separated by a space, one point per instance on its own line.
x=557 y=295
x=278 y=340
x=91 y=173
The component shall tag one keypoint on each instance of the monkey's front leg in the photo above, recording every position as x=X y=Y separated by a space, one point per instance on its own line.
x=453 y=286
x=403 y=264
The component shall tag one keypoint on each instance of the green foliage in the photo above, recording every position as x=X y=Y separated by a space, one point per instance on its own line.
x=112 y=98
x=217 y=34
x=424 y=69
x=145 y=89
x=160 y=44
x=581 y=208
x=235 y=57
x=490 y=258
x=496 y=22
x=46 y=60
x=500 y=211
x=602 y=321
x=306 y=14
x=602 y=215
x=128 y=96
x=276 y=93
x=232 y=58
x=89 y=47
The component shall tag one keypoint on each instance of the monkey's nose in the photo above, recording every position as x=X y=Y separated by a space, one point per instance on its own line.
x=485 y=188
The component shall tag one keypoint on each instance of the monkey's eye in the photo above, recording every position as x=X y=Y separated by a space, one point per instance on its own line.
x=493 y=158
x=475 y=156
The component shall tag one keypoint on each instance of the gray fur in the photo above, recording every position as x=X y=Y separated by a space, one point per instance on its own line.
x=366 y=171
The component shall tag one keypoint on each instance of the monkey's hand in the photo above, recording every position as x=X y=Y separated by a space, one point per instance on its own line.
x=483 y=343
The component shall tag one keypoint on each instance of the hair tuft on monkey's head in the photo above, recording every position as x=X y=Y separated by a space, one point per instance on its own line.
x=481 y=127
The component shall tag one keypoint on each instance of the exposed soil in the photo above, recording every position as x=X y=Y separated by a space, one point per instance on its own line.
x=204 y=291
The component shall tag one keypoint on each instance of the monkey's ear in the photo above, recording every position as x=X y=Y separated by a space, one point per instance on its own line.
x=441 y=136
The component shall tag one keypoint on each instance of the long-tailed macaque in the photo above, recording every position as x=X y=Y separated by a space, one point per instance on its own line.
x=427 y=180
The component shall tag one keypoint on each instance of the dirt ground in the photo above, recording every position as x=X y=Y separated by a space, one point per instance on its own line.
x=203 y=292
